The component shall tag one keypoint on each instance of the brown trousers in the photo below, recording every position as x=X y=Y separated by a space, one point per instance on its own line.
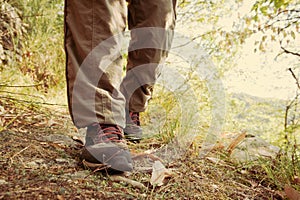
x=93 y=36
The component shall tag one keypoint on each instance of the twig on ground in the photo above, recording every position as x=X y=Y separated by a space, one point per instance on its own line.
x=22 y=94
x=143 y=169
x=129 y=181
x=94 y=166
x=11 y=158
x=32 y=102
x=11 y=121
x=22 y=86
x=28 y=190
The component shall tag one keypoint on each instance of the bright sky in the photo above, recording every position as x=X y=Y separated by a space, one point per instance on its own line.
x=258 y=74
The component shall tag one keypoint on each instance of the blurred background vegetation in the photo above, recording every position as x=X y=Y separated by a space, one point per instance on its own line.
x=31 y=49
x=32 y=55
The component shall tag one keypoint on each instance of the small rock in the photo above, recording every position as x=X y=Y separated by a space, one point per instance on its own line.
x=35 y=164
x=60 y=139
x=252 y=148
x=32 y=165
x=61 y=160
x=215 y=187
x=39 y=161
x=3 y=182
x=62 y=190
x=70 y=162
x=77 y=175
x=2 y=110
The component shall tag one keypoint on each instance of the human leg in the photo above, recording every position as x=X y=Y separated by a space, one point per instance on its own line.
x=93 y=91
x=151 y=24
x=94 y=76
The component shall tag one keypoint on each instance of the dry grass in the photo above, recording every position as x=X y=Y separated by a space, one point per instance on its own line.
x=35 y=167
x=39 y=160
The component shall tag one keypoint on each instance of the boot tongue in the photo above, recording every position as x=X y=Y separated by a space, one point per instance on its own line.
x=111 y=132
x=99 y=133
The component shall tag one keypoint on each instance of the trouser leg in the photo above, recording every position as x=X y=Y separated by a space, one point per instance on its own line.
x=143 y=63
x=94 y=71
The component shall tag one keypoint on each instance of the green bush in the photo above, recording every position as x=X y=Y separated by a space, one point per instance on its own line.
x=12 y=31
x=40 y=53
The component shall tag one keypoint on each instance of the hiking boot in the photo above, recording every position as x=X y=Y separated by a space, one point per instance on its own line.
x=133 y=130
x=105 y=144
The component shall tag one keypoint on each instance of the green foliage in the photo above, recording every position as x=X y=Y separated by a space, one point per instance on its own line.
x=281 y=17
x=204 y=18
x=275 y=173
x=276 y=20
x=41 y=60
x=264 y=6
x=12 y=32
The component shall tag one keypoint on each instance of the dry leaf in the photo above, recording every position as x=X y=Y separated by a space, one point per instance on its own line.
x=207 y=148
x=93 y=165
x=143 y=169
x=213 y=160
x=59 y=197
x=235 y=142
x=159 y=173
x=78 y=140
x=146 y=155
x=291 y=193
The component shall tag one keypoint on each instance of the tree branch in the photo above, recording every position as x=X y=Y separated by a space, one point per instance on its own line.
x=289 y=52
x=294 y=76
x=21 y=86
x=192 y=40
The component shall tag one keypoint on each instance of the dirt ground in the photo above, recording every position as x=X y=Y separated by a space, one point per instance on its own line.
x=39 y=160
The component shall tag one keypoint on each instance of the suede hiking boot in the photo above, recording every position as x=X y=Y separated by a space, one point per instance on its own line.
x=133 y=130
x=105 y=144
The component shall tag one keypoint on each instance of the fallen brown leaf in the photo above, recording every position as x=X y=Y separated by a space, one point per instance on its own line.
x=93 y=165
x=146 y=155
x=291 y=193
x=235 y=142
x=59 y=197
x=159 y=173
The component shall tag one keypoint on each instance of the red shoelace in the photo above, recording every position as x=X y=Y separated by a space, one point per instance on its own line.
x=109 y=133
x=135 y=117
